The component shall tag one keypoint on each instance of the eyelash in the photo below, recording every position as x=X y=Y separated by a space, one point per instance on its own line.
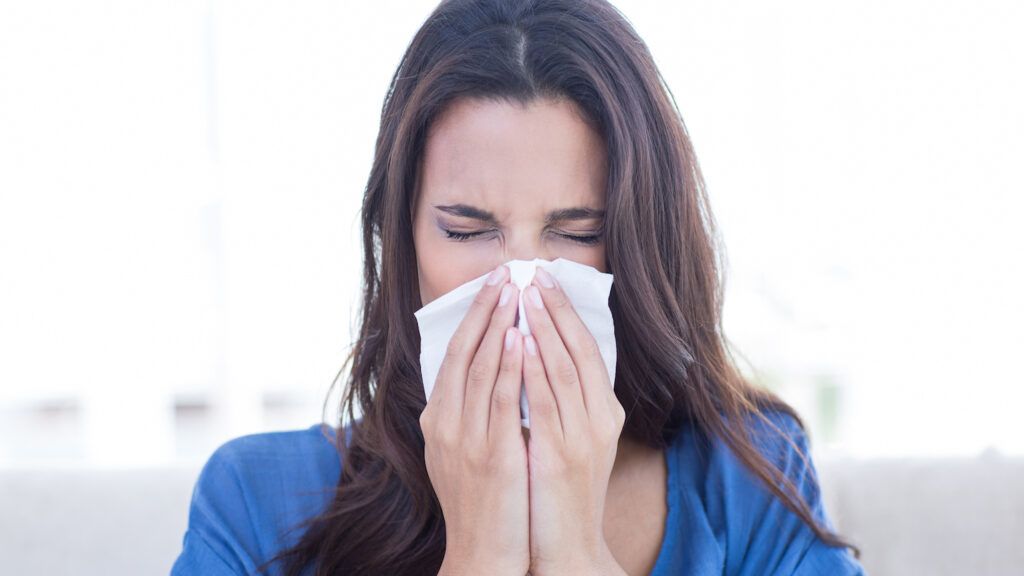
x=585 y=240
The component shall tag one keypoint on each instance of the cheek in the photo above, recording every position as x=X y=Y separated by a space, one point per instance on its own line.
x=593 y=256
x=445 y=265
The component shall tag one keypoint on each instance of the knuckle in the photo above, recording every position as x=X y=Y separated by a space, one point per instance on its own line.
x=474 y=454
x=446 y=436
x=506 y=461
x=619 y=412
x=508 y=363
x=488 y=463
x=565 y=371
x=478 y=374
x=543 y=408
x=575 y=457
x=507 y=366
x=559 y=301
x=503 y=397
x=618 y=418
x=561 y=466
x=497 y=322
x=609 y=435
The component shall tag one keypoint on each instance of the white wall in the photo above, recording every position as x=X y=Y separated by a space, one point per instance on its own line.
x=180 y=183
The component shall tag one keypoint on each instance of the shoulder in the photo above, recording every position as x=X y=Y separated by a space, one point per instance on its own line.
x=250 y=494
x=732 y=495
x=783 y=442
x=757 y=533
x=302 y=456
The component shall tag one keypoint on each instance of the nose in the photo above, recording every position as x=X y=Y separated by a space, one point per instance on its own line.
x=523 y=246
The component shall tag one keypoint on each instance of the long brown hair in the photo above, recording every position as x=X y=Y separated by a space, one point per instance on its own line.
x=674 y=363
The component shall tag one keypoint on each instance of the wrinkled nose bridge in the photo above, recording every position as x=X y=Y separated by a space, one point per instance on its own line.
x=525 y=247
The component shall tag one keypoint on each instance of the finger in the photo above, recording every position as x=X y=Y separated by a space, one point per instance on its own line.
x=544 y=419
x=558 y=365
x=483 y=370
x=581 y=344
x=504 y=419
x=451 y=376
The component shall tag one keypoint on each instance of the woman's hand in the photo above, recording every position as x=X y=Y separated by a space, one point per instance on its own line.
x=575 y=422
x=474 y=448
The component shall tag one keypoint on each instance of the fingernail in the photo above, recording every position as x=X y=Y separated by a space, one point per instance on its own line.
x=544 y=278
x=506 y=293
x=510 y=337
x=531 y=346
x=496 y=276
x=534 y=295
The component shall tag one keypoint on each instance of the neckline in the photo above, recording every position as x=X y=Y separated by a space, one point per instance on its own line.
x=672 y=506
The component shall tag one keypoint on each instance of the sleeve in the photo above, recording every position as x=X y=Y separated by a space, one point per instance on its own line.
x=763 y=535
x=823 y=559
x=219 y=540
x=198 y=557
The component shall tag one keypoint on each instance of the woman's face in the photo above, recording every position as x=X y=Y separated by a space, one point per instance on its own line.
x=523 y=183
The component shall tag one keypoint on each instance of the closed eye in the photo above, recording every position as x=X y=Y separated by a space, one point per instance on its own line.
x=461 y=236
x=587 y=240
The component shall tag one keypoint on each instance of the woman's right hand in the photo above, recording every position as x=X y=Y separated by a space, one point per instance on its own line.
x=474 y=448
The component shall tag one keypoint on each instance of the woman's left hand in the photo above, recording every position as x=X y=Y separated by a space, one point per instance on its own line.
x=575 y=422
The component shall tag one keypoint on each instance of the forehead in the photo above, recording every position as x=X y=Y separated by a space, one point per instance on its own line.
x=499 y=154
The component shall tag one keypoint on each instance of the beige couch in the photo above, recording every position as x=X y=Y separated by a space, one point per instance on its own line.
x=910 y=516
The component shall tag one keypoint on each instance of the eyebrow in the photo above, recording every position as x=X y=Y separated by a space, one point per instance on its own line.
x=560 y=215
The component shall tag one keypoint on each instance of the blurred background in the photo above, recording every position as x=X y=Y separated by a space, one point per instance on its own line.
x=180 y=184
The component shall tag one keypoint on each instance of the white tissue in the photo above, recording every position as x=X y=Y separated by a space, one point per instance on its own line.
x=586 y=287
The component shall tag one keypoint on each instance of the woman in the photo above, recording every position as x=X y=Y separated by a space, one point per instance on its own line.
x=517 y=130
